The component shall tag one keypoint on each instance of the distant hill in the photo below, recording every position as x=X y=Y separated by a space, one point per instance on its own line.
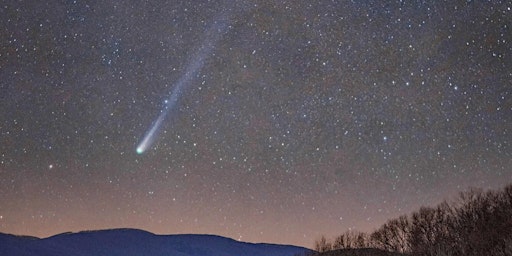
x=359 y=252
x=131 y=242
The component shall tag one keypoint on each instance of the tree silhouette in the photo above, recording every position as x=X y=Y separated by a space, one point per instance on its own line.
x=393 y=235
x=351 y=239
x=476 y=223
x=322 y=245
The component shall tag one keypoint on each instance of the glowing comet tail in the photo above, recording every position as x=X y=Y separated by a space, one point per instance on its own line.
x=213 y=35
x=149 y=138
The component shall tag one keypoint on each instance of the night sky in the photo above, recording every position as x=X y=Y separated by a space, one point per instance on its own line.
x=274 y=121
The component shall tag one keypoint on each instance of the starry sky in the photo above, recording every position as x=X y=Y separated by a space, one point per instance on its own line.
x=292 y=119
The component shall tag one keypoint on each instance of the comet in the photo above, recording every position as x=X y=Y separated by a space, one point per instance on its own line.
x=213 y=34
x=148 y=139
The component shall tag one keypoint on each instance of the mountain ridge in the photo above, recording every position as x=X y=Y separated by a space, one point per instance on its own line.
x=127 y=242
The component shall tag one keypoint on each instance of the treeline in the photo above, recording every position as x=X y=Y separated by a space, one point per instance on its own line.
x=476 y=223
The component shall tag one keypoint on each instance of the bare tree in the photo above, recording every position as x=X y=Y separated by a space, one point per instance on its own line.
x=393 y=235
x=477 y=223
x=483 y=221
x=431 y=230
x=351 y=239
x=322 y=245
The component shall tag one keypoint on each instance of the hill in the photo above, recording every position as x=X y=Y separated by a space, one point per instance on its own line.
x=128 y=242
x=359 y=252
